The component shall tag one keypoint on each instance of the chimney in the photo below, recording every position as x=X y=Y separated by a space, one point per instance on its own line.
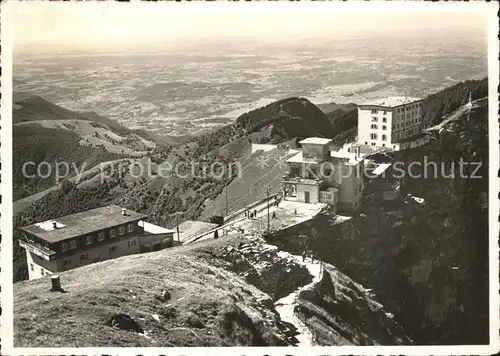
x=54 y=224
x=124 y=212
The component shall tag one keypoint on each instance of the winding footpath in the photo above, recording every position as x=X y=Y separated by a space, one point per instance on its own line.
x=286 y=305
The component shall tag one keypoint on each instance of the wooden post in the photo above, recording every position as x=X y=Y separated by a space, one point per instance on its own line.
x=56 y=283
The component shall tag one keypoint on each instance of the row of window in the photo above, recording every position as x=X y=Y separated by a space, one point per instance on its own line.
x=375 y=136
x=89 y=239
x=375 y=119
x=375 y=111
x=373 y=144
x=85 y=256
x=375 y=127
x=408 y=123
x=409 y=107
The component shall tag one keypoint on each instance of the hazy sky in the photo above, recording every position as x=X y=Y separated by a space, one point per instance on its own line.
x=58 y=26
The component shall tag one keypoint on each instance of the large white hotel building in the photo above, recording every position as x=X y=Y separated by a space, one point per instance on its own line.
x=394 y=123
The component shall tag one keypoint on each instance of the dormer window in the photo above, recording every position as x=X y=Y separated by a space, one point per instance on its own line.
x=121 y=230
x=112 y=233
x=72 y=244
x=100 y=236
x=88 y=240
x=130 y=227
x=64 y=246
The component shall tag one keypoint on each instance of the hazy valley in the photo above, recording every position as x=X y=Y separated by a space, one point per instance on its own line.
x=191 y=92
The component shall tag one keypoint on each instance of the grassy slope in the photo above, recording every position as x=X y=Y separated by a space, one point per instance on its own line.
x=252 y=185
x=209 y=306
x=32 y=143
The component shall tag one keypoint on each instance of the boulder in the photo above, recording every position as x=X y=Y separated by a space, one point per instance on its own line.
x=163 y=296
x=124 y=322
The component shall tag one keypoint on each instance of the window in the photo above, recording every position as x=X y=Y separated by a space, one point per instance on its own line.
x=131 y=243
x=374 y=119
x=121 y=230
x=385 y=112
x=64 y=246
x=72 y=244
x=366 y=143
x=32 y=267
x=42 y=272
x=374 y=111
x=373 y=143
x=112 y=249
x=384 y=119
x=66 y=261
x=100 y=236
x=130 y=227
x=384 y=137
x=384 y=127
x=112 y=233
x=84 y=257
x=88 y=240
x=374 y=126
x=373 y=136
x=383 y=145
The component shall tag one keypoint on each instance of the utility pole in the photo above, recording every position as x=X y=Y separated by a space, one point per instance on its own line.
x=177 y=221
x=226 y=202
x=268 y=221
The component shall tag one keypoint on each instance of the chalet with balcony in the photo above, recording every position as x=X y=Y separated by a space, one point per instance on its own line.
x=87 y=237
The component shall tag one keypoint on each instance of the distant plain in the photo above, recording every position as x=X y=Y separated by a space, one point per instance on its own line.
x=188 y=92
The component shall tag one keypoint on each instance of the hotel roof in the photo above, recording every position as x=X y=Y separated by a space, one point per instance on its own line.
x=391 y=101
x=82 y=223
x=316 y=140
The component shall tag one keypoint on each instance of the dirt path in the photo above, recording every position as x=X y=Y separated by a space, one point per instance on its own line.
x=286 y=305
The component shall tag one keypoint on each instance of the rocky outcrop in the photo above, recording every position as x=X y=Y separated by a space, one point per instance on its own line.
x=262 y=266
x=339 y=311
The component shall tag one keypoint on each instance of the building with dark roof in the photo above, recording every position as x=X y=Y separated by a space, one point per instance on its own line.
x=90 y=236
